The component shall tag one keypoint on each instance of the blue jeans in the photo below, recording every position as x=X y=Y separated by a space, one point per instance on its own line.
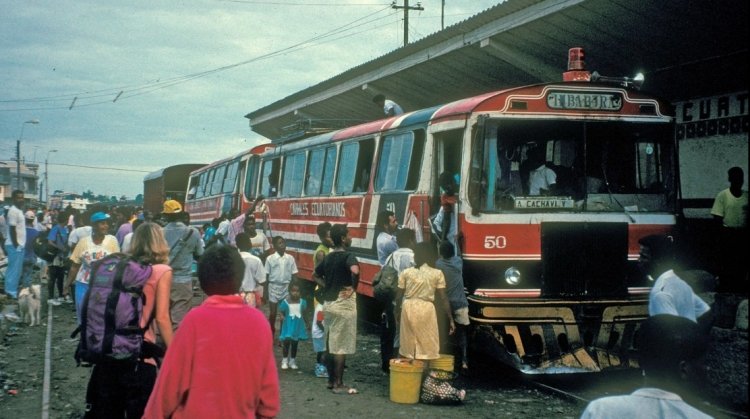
x=80 y=291
x=28 y=271
x=15 y=267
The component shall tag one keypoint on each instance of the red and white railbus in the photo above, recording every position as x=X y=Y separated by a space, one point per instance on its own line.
x=557 y=183
x=222 y=186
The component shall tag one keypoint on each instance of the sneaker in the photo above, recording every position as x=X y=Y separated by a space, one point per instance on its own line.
x=321 y=371
x=67 y=299
x=293 y=364
x=53 y=302
x=284 y=364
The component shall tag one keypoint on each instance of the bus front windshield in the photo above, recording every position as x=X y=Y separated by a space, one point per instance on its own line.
x=603 y=166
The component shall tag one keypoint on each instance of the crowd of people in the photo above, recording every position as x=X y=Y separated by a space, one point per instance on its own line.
x=240 y=269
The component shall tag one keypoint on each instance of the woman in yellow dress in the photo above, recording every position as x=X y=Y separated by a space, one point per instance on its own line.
x=417 y=314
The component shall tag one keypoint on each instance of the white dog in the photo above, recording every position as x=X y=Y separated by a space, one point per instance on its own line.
x=30 y=304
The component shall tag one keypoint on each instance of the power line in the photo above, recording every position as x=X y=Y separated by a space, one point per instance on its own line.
x=125 y=92
x=119 y=169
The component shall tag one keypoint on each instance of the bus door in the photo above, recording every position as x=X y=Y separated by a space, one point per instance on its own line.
x=446 y=167
x=448 y=151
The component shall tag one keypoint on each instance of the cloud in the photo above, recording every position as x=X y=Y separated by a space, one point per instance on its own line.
x=51 y=52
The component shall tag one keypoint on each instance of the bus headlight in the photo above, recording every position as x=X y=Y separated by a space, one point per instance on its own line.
x=512 y=276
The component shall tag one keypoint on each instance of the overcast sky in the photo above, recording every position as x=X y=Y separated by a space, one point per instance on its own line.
x=143 y=85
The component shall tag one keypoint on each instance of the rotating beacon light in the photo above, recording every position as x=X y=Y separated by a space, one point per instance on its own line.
x=576 y=66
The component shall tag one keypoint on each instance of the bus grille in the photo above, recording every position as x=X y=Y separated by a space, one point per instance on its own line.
x=584 y=259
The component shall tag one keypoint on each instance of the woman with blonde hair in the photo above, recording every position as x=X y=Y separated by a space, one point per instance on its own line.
x=149 y=247
x=122 y=389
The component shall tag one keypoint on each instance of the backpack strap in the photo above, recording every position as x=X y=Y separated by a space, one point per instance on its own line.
x=182 y=241
x=111 y=306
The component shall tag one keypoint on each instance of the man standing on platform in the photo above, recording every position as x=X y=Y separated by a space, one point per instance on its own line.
x=730 y=212
x=185 y=245
x=15 y=242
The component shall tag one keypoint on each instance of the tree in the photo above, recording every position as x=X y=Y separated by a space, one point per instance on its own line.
x=139 y=199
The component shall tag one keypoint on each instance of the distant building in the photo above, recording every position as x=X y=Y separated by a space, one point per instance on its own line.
x=61 y=200
x=9 y=180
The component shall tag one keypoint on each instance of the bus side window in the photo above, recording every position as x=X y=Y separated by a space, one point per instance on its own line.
x=218 y=179
x=201 y=192
x=354 y=167
x=230 y=180
x=347 y=168
x=210 y=182
x=193 y=188
x=399 y=162
x=314 y=173
x=251 y=178
x=320 y=167
x=364 y=165
x=294 y=166
x=328 y=170
x=270 y=177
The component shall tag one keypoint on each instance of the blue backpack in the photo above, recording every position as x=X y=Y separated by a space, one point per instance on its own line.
x=111 y=312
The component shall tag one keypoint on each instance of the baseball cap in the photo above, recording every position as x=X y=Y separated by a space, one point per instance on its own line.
x=30 y=215
x=99 y=216
x=172 y=207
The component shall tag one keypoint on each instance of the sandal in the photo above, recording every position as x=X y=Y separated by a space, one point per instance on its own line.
x=345 y=390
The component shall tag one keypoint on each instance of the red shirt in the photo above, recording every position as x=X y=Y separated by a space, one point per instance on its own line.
x=220 y=365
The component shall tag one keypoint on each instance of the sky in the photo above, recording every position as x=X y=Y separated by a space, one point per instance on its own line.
x=121 y=89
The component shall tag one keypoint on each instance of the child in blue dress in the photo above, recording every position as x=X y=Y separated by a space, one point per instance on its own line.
x=293 y=327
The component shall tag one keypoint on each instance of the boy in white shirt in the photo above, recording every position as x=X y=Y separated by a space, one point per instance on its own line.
x=281 y=269
x=255 y=273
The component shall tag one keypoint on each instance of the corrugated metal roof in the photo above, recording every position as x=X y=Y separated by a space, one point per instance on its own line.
x=686 y=49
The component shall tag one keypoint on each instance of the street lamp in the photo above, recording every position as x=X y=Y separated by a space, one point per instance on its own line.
x=18 y=152
x=46 y=181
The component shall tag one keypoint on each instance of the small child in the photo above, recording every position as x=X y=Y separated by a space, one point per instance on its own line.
x=281 y=270
x=319 y=341
x=293 y=328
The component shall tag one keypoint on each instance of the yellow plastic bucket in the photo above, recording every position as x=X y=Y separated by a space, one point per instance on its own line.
x=445 y=363
x=406 y=380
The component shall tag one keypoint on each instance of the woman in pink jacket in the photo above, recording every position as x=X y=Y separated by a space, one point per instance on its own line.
x=209 y=372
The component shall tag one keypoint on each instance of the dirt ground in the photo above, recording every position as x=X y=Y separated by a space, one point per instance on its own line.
x=490 y=393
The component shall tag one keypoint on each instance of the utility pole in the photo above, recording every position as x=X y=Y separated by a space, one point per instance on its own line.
x=19 y=184
x=442 y=16
x=406 y=8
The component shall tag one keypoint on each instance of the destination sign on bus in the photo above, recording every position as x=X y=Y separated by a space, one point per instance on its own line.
x=543 y=202
x=585 y=101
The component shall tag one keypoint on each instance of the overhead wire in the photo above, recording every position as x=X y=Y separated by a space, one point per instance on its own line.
x=100 y=167
x=132 y=90
x=124 y=92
